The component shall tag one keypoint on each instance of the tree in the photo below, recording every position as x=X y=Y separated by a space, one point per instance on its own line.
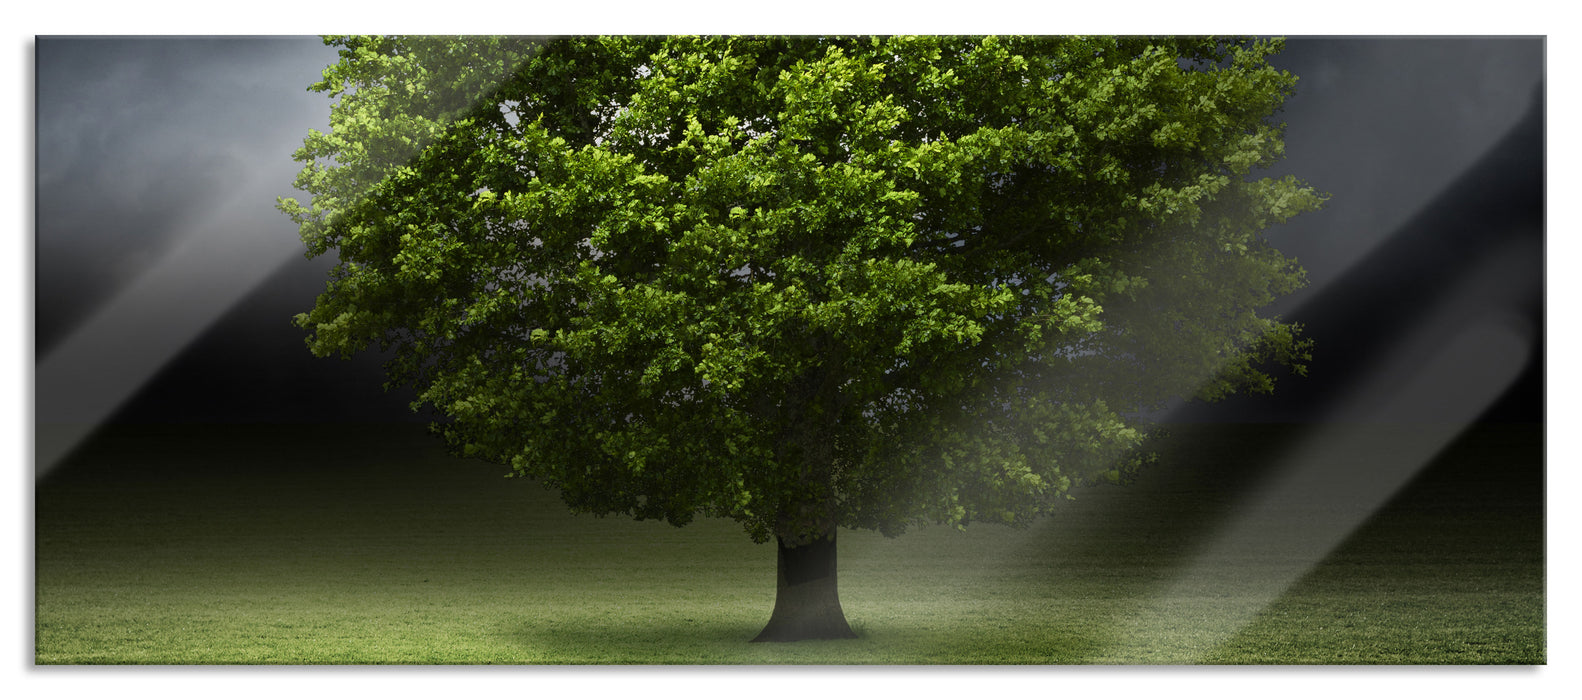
x=804 y=283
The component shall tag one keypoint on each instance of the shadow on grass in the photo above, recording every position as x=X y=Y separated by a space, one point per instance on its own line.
x=593 y=640
x=596 y=640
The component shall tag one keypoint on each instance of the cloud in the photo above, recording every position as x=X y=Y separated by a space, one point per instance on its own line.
x=1384 y=125
x=138 y=137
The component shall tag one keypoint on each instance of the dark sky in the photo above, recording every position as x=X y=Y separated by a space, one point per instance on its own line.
x=166 y=280
x=139 y=137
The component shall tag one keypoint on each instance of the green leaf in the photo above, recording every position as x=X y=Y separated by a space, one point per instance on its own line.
x=867 y=283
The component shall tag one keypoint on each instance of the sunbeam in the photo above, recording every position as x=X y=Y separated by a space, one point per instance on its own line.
x=103 y=362
x=1454 y=364
x=220 y=257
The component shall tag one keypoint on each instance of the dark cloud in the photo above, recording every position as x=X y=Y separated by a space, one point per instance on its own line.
x=1385 y=125
x=1466 y=270
x=138 y=137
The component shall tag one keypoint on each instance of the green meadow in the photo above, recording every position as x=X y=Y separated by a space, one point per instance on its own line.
x=215 y=544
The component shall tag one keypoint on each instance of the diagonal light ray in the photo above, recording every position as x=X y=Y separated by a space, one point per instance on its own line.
x=109 y=357
x=1464 y=353
x=1433 y=386
x=218 y=259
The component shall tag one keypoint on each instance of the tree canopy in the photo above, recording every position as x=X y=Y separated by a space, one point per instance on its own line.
x=804 y=283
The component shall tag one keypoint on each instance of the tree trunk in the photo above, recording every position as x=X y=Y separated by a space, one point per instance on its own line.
x=807 y=604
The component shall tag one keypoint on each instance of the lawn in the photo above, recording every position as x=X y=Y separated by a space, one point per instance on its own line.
x=213 y=544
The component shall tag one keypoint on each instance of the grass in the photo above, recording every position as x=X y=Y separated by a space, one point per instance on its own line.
x=368 y=545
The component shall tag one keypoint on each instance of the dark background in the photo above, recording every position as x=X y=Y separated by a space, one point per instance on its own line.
x=1432 y=149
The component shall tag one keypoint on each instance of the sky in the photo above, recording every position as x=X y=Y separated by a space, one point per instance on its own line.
x=1383 y=125
x=166 y=279
x=1436 y=217
x=138 y=138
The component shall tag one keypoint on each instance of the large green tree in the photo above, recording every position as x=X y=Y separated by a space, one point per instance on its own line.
x=804 y=283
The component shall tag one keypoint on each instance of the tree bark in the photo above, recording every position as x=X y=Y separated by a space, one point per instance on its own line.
x=807 y=603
